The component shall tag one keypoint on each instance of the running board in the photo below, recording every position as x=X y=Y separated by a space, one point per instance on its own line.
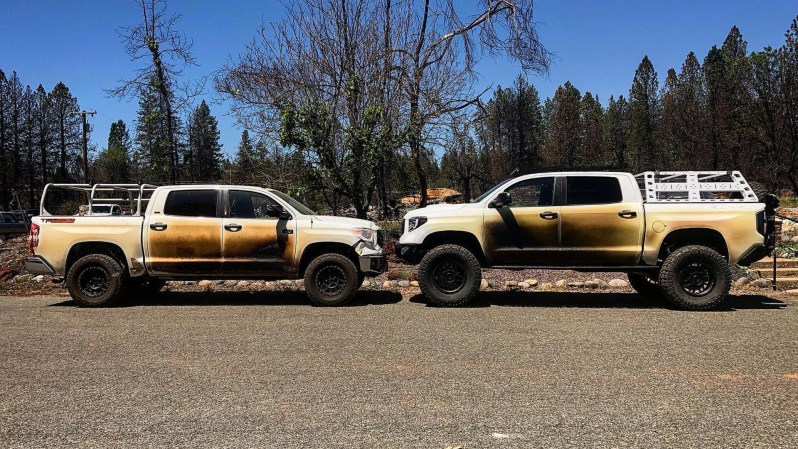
x=579 y=268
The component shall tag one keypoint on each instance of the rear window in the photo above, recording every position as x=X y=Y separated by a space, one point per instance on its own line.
x=191 y=203
x=593 y=190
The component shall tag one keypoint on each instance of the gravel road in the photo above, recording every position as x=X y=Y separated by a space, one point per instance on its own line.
x=516 y=370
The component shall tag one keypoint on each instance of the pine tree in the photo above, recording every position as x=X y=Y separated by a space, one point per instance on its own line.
x=245 y=160
x=44 y=132
x=563 y=142
x=644 y=111
x=67 y=132
x=4 y=128
x=204 y=153
x=154 y=158
x=616 y=130
x=113 y=163
x=591 y=116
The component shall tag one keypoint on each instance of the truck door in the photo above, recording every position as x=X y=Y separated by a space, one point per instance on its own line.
x=526 y=232
x=184 y=234
x=258 y=240
x=599 y=227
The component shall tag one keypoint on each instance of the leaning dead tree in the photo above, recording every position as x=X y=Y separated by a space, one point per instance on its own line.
x=164 y=53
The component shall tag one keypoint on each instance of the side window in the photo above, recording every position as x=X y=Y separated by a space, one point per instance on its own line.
x=191 y=203
x=532 y=192
x=245 y=204
x=593 y=190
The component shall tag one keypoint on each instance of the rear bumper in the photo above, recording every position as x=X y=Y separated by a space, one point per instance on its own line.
x=37 y=265
x=754 y=254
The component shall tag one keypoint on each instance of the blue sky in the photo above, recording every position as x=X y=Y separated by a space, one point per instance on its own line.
x=598 y=44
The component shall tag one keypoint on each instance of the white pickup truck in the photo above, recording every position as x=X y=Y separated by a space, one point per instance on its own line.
x=674 y=233
x=196 y=232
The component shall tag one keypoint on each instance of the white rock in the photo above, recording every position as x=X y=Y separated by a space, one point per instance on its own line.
x=601 y=283
x=576 y=284
x=511 y=284
x=618 y=283
x=546 y=286
x=366 y=283
x=243 y=283
x=523 y=284
x=190 y=283
x=561 y=283
x=230 y=283
x=591 y=284
x=404 y=284
x=742 y=281
x=414 y=283
x=761 y=283
x=532 y=282
x=205 y=283
x=484 y=284
x=387 y=284
x=38 y=278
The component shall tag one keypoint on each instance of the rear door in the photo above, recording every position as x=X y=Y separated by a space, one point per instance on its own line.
x=256 y=241
x=527 y=231
x=598 y=225
x=184 y=233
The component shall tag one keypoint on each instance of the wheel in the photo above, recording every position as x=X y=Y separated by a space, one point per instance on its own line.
x=449 y=275
x=644 y=284
x=695 y=278
x=147 y=286
x=331 y=280
x=96 y=280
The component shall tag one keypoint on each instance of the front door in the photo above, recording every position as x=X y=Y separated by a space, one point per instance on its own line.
x=184 y=234
x=525 y=232
x=599 y=227
x=257 y=240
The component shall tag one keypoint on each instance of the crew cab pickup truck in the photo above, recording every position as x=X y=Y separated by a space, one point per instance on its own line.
x=197 y=232
x=674 y=233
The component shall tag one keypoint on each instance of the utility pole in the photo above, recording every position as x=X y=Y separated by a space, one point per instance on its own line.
x=83 y=115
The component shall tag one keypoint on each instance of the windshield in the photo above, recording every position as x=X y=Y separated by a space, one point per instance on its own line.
x=301 y=208
x=490 y=192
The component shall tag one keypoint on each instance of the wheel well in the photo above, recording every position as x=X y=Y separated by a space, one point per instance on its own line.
x=315 y=250
x=462 y=238
x=85 y=248
x=698 y=236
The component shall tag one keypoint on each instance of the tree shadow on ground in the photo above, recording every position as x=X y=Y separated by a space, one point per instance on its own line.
x=603 y=300
x=246 y=298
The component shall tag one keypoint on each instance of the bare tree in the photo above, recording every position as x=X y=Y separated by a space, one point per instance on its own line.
x=443 y=51
x=167 y=52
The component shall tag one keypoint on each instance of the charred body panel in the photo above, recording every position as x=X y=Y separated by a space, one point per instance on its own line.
x=521 y=236
x=186 y=247
x=259 y=247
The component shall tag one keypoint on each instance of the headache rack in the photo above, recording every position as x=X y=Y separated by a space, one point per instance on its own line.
x=132 y=198
x=695 y=187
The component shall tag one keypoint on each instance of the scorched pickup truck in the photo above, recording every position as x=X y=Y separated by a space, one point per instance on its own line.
x=196 y=232
x=674 y=233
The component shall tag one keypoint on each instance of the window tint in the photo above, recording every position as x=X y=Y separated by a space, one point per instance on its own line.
x=191 y=203
x=593 y=190
x=252 y=205
x=532 y=192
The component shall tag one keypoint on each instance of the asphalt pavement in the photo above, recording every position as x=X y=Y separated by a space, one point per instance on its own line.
x=517 y=370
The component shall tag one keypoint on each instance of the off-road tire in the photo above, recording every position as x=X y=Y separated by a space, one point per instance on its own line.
x=645 y=284
x=452 y=261
x=675 y=275
x=321 y=284
x=759 y=190
x=96 y=280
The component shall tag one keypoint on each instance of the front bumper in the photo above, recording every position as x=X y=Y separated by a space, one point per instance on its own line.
x=410 y=253
x=373 y=265
x=37 y=265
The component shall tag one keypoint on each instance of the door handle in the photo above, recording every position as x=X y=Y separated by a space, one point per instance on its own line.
x=233 y=227
x=549 y=215
x=627 y=214
x=158 y=226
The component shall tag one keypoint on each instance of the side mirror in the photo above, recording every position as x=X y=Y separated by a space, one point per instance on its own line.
x=501 y=200
x=284 y=214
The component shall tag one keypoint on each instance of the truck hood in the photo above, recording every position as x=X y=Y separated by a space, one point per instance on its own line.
x=329 y=221
x=435 y=210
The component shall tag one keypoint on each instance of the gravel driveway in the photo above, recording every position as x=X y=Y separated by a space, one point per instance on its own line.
x=516 y=370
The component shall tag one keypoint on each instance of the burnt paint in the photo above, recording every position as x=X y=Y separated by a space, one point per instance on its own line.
x=520 y=236
x=261 y=247
x=597 y=235
x=189 y=245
